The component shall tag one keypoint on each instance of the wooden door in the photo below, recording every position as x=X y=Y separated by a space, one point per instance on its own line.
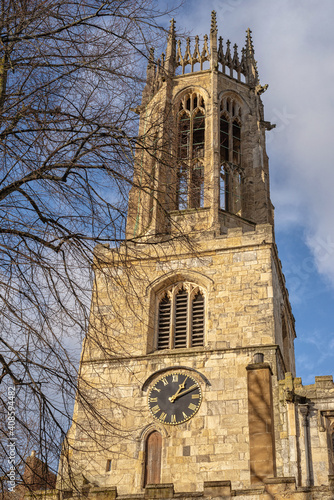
x=153 y=458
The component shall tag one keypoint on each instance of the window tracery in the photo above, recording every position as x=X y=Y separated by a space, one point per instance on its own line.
x=231 y=173
x=191 y=150
x=181 y=317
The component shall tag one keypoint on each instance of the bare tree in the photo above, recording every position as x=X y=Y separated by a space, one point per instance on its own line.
x=70 y=78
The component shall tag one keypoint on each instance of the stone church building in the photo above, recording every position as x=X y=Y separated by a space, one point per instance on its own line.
x=189 y=362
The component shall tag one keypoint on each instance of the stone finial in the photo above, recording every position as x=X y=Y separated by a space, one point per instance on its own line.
x=187 y=54
x=196 y=54
x=171 y=50
x=252 y=72
x=235 y=55
x=151 y=58
x=205 y=51
x=213 y=21
x=249 y=42
x=150 y=72
x=228 y=52
x=172 y=29
x=162 y=73
x=213 y=41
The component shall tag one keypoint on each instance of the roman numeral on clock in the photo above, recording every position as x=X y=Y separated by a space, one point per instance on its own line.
x=192 y=407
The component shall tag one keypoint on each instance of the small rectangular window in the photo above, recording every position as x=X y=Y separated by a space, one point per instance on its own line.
x=108 y=466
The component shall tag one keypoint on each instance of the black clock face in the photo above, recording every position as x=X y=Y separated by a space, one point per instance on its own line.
x=174 y=398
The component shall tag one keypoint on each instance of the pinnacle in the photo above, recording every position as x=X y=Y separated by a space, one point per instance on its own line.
x=213 y=21
x=151 y=57
x=249 y=42
x=172 y=28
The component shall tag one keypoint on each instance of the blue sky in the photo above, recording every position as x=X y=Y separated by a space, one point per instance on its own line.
x=294 y=42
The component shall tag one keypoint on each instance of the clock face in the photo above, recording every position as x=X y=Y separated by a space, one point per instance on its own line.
x=174 y=398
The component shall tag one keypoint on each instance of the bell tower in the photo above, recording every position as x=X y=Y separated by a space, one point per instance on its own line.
x=202 y=164
x=189 y=359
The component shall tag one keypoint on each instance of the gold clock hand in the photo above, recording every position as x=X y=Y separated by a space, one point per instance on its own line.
x=181 y=386
x=178 y=394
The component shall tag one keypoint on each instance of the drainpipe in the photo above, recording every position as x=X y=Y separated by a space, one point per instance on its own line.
x=304 y=410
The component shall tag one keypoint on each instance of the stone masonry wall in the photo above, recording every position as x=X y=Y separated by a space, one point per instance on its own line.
x=235 y=271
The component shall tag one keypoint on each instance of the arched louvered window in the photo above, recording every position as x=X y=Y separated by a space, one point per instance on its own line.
x=197 y=323
x=191 y=148
x=153 y=458
x=164 y=323
x=230 y=156
x=181 y=317
x=181 y=313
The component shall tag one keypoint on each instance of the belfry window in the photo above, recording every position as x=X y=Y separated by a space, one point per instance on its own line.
x=181 y=317
x=191 y=149
x=230 y=156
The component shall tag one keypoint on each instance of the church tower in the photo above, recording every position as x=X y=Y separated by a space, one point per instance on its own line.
x=190 y=353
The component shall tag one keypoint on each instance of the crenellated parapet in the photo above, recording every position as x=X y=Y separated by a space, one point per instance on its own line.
x=209 y=54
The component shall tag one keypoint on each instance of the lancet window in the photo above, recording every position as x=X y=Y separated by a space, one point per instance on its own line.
x=191 y=150
x=181 y=317
x=230 y=156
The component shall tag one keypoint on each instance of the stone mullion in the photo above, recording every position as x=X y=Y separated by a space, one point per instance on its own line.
x=212 y=178
x=190 y=158
x=231 y=172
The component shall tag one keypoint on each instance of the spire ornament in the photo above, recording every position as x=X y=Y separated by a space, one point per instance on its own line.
x=249 y=43
x=213 y=21
x=150 y=72
x=213 y=42
x=252 y=74
x=151 y=58
x=172 y=29
x=170 y=64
